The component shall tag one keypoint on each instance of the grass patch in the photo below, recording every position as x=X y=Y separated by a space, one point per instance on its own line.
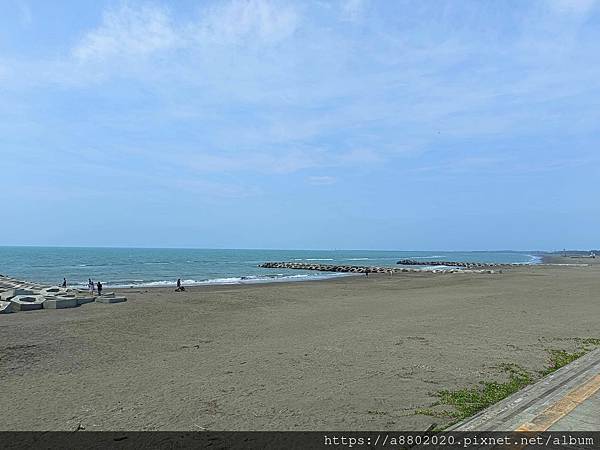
x=470 y=401
x=560 y=358
x=590 y=341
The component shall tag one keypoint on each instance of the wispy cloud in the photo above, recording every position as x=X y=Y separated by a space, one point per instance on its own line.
x=323 y=180
x=578 y=7
x=269 y=86
x=128 y=31
x=26 y=15
x=137 y=31
x=241 y=21
x=258 y=162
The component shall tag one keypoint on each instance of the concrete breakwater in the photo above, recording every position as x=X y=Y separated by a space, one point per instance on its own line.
x=16 y=295
x=360 y=269
x=412 y=262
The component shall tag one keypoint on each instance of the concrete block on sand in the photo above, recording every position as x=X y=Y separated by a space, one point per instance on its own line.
x=27 y=302
x=7 y=295
x=112 y=299
x=53 y=290
x=84 y=300
x=5 y=307
x=60 y=303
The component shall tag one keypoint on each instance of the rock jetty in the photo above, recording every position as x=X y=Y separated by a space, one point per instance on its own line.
x=412 y=262
x=18 y=295
x=360 y=269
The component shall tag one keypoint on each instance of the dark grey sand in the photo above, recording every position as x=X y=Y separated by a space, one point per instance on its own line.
x=354 y=353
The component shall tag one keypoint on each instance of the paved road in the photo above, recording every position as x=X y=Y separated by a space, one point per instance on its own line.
x=585 y=417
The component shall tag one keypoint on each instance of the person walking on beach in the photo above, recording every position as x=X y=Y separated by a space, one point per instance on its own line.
x=91 y=286
x=64 y=283
x=99 y=286
x=180 y=288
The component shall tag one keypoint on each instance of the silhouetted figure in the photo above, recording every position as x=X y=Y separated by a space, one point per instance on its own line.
x=64 y=283
x=99 y=287
x=180 y=288
x=90 y=285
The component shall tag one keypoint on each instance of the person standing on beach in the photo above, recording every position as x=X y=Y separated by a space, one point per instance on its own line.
x=99 y=286
x=179 y=283
x=91 y=286
x=64 y=283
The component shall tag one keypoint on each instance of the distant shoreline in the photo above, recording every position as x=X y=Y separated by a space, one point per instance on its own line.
x=574 y=257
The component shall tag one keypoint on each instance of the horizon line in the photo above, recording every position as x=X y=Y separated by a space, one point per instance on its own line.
x=286 y=249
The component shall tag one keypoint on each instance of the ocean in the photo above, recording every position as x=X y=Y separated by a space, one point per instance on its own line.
x=146 y=267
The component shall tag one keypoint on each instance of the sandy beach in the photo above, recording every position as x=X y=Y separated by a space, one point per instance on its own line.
x=351 y=353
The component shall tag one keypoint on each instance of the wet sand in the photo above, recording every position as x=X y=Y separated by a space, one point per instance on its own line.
x=350 y=353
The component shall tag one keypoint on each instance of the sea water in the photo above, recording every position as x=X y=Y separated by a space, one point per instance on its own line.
x=146 y=267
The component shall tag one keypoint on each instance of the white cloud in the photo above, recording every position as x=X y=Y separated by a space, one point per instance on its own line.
x=25 y=13
x=261 y=162
x=279 y=162
x=261 y=86
x=128 y=31
x=578 y=7
x=324 y=180
x=361 y=156
x=239 y=20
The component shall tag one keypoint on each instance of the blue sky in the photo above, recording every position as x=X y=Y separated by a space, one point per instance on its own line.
x=281 y=124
